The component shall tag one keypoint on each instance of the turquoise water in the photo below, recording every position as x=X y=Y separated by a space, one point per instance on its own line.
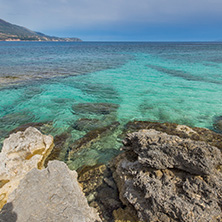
x=46 y=82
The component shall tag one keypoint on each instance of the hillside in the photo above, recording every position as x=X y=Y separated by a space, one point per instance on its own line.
x=10 y=32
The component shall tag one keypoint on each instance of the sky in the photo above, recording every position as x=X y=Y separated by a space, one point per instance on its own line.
x=119 y=20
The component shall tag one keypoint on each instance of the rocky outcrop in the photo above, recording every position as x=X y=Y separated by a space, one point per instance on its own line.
x=21 y=152
x=51 y=194
x=194 y=133
x=168 y=178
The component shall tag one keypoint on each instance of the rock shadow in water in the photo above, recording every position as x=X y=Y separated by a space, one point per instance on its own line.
x=98 y=90
x=182 y=74
x=217 y=125
x=95 y=108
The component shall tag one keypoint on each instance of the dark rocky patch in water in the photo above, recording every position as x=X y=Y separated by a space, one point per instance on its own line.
x=217 y=126
x=182 y=74
x=25 y=126
x=59 y=142
x=30 y=92
x=15 y=119
x=61 y=101
x=95 y=108
x=90 y=138
x=100 y=91
x=85 y=124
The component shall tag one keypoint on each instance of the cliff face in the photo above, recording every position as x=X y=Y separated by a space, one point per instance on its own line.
x=11 y=32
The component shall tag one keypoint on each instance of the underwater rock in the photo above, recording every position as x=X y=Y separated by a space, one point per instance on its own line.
x=27 y=125
x=168 y=178
x=61 y=101
x=16 y=119
x=91 y=137
x=30 y=92
x=95 y=108
x=218 y=124
x=59 y=142
x=51 y=194
x=21 y=152
x=85 y=124
x=194 y=133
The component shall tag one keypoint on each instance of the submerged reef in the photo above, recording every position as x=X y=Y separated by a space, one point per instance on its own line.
x=165 y=172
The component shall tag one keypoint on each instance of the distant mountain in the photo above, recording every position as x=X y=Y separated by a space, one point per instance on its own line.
x=10 y=32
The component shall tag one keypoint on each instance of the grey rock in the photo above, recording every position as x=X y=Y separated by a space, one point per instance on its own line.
x=48 y=195
x=167 y=178
x=160 y=151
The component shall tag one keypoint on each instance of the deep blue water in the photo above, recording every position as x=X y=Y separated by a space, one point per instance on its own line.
x=173 y=82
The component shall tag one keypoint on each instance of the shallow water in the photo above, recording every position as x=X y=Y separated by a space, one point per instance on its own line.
x=173 y=82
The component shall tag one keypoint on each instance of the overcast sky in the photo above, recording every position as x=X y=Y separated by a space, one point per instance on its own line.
x=139 y=20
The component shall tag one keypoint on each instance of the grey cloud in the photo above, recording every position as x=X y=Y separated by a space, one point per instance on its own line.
x=50 y=14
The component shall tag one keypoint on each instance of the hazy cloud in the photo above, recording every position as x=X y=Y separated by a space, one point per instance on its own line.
x=85 y=14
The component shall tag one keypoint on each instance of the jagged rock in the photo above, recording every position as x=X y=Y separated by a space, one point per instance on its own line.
x=95 y=108
x=21 y=152
x=194 y=133
x=51 y=194
x=100 y=189
x=168 y=178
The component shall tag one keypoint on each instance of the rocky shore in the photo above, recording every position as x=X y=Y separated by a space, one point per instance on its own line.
x=165 y=172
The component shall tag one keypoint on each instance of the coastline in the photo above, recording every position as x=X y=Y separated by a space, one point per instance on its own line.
x=185 y=156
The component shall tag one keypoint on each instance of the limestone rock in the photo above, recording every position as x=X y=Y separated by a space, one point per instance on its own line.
x=161 y=151
x=51 y=194
x=194 y=133
x=168 y=178
x=21 y=152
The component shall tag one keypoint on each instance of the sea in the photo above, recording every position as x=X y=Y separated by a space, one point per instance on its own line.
x=76 y=88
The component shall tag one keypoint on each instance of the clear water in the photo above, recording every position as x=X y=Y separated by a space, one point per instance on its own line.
x=173 y=82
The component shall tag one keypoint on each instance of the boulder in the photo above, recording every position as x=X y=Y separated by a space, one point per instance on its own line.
x=51 y=194
x=168 y=178
x=21 y=152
